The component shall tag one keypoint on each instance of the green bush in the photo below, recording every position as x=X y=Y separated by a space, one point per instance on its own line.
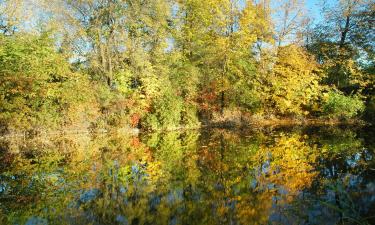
x=190 y=115
x=165 y=113
x=338 y=106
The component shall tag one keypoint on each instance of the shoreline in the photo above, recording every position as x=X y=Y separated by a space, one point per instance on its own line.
x=225 y=124
x=288 y=122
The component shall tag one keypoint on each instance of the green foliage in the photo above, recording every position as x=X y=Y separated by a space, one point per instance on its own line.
x=189 y=116
x=165 y=113
x=337 y=105
x=246 y=97
x=242 y=93
x=37 y=87
x=185 y=78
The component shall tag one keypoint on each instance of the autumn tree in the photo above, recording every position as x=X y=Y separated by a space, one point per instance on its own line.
x=220 y=36
x=290 y=19
x=38 y=89
x=294 y=82
x=343 y=44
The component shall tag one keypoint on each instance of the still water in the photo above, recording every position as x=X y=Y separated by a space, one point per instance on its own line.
x=294 y=175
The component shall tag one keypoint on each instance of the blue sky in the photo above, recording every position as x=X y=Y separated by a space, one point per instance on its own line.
x=314 y=7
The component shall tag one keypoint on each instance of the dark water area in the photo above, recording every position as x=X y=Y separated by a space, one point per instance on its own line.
x=294 y=175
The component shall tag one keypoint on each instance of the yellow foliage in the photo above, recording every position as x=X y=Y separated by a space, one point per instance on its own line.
x=294 y=81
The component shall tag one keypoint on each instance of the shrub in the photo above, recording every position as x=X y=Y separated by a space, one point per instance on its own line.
x=165 y=113
x=337 y=105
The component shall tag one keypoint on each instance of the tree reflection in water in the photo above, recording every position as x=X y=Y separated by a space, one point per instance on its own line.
x=270 y=176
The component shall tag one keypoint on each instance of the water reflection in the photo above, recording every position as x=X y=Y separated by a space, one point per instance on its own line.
x=270 y=176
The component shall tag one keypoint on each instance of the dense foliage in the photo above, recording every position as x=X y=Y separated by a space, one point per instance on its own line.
x=338 y=105
x=169 y=64
x=37 y=86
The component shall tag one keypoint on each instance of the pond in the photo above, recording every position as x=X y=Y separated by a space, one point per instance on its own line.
x=290 y=175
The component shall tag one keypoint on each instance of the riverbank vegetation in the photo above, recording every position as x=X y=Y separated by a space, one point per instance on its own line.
x=167 y=64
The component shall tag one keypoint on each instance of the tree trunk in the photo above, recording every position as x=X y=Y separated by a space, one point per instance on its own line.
x=102 y=56
x=345 y=32
x=110 y=67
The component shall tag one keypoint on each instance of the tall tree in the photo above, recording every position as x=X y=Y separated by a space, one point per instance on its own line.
x=290 y=18
x=344 y=43
x=218 y=36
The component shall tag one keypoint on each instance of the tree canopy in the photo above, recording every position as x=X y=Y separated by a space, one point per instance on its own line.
x=166 y=64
